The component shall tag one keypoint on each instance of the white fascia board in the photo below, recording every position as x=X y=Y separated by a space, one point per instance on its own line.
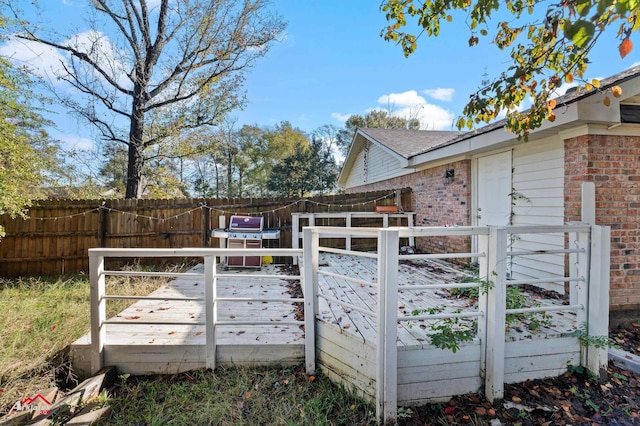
x=349 y=159
x=498 y=138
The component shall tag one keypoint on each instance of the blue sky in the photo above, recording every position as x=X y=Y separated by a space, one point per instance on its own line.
x=332 y=63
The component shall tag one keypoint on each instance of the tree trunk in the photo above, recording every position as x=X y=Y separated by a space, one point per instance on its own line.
x=135 y=162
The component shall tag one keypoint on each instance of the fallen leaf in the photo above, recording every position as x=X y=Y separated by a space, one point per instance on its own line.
x=135 y=317
x=199 y=333
x=163 y=309
x=239 y=333
x=53 y=327
x=516 y=399
x=312 y=378
x=346 y=326
x=172 y=332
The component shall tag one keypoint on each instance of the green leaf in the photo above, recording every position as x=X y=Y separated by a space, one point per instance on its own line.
x=583 y=7
x=580 y=32
x=603 y=5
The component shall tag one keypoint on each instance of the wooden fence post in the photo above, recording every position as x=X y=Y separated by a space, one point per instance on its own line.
x=205 y=224
x=496 y=314
x=387 y=326
x=102 y=237
x=310 y=287
x=598 y=310
x=295 y=233
x=210 y=307
x=98 y=310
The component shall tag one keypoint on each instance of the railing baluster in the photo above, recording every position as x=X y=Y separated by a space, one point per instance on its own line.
x=210 y=309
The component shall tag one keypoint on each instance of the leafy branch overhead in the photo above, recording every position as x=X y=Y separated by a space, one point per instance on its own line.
x=547 y=47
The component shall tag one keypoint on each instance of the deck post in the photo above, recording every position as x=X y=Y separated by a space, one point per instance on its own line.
x=210 y=305
x=98 y=311
x=347 y=240
x=598 y=311
x=387 y=326
x=310 y=289
x=483 y=274
x=496 y=314
x=579 y=293
x=412 y=239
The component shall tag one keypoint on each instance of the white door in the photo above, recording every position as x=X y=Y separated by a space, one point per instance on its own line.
x=494 y=190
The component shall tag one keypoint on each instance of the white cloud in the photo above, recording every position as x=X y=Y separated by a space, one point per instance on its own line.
x=45 y=61
x=73 y=142
x=411 y=105
x=440 y=94
x=100 y=49
x=340 y=117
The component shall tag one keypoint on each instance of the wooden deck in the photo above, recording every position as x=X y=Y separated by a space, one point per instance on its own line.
x=149 y=349
x=414 y=333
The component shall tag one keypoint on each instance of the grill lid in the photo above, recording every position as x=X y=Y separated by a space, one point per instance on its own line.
x=245 y=223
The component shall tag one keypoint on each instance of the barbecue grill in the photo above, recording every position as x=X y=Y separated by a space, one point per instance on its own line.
x=244 y=232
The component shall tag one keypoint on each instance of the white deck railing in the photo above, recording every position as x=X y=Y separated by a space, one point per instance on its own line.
x=99 y=297
x=587 y=272
x=313 y=219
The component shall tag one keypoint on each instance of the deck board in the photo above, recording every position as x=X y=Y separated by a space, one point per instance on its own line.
x=414 y=272
x=176 y=347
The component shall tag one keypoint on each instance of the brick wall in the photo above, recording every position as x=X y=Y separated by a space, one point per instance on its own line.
x=435 y=203
x=612 y=163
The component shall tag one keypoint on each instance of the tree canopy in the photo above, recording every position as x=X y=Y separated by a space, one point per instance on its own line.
x=29 y=159
x=310 y=169
x=548 y=47
x=167 y=67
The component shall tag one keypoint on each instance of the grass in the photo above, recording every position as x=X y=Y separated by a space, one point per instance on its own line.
x=41 y=317
x=238 y=396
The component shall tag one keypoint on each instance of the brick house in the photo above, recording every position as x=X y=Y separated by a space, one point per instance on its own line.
x=489 y=177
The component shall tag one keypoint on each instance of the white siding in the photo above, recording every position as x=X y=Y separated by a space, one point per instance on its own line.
x=538 y=184
x=376 y=165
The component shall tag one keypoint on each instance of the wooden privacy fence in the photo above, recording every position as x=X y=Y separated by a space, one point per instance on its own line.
x=56 y=236
x=393 y=373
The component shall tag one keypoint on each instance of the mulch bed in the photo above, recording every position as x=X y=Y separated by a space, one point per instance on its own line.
x=628 y=338
x=575 y=398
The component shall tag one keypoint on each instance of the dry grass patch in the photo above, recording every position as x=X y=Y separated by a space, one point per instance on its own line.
x=40 y=318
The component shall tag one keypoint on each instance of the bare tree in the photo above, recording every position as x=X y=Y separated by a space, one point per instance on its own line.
x=165 y=67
